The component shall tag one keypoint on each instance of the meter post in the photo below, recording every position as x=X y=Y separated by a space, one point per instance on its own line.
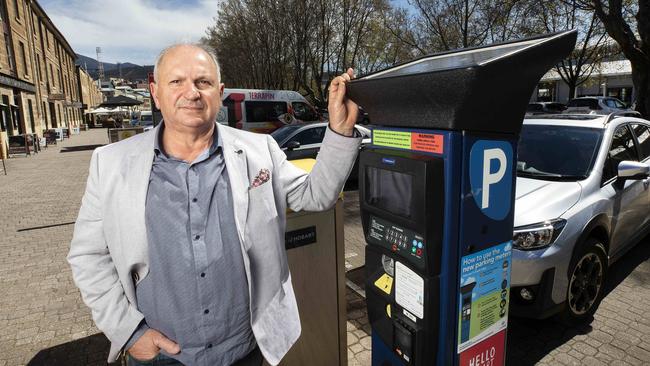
x=436 y=193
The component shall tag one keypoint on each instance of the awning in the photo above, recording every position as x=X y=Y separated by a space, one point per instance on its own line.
x=120 y=100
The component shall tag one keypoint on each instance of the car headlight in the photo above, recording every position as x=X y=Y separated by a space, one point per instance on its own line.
x=537 y=236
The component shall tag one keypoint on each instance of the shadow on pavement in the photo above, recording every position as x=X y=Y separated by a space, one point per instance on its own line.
x=531 y=340
x=92 y=350
x=625 y=266
x=79 y=148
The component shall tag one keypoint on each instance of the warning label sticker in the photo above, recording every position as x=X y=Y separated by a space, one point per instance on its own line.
x=417 y=141
x=427 y=142
x=385 y=283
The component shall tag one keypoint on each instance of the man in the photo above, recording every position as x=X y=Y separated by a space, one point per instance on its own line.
x=178 y=249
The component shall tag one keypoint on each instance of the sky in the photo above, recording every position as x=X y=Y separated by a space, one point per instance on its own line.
x=129 y=30
x=133 y=30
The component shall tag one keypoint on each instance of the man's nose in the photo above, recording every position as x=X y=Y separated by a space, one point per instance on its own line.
x=191 y=92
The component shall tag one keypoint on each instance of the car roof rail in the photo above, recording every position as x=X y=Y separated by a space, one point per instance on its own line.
x=614 y=115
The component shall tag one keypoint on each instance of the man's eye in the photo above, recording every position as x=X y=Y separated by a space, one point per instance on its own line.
x=175 y=82
x=204 y=82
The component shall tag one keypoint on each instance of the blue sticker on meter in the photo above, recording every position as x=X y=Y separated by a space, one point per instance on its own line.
x=490 y=175
x=388 y=161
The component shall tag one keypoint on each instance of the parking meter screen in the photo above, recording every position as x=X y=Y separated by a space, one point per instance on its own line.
x=389 y=190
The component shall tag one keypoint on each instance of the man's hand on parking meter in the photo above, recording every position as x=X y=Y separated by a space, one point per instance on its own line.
x=342 y=111
x=149 y=345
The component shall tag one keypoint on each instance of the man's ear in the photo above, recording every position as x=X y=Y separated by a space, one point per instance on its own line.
x=221 y=88
x=153 y=89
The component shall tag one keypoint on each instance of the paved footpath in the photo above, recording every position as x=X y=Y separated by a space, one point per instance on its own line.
x=40 y=308
x=44 y=322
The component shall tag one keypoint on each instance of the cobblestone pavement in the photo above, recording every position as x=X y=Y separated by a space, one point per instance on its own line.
x=355 y=255
x=44 y=322
x=40 y=308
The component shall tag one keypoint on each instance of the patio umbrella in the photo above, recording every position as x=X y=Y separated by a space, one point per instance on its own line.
x=100 y=110
x=120 y=101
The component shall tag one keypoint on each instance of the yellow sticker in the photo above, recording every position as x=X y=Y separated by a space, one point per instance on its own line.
x=388 y=138
x=388 y=310
x=385 y=283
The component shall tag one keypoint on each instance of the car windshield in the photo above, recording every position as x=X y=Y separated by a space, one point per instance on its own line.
x=283 y=132
x=557 y=152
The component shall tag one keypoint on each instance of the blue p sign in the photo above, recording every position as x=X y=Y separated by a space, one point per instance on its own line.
x=490 y=177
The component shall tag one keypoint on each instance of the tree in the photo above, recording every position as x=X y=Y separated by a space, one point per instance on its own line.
x=591 y=48
x=441 y=25
x=296 y=44
x=628 y=23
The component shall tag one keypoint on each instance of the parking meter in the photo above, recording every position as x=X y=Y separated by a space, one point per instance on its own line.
x=436 y=193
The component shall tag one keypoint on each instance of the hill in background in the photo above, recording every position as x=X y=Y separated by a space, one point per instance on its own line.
x=125 y=70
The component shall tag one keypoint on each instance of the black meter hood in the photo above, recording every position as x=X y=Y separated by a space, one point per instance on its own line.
x=482 y=89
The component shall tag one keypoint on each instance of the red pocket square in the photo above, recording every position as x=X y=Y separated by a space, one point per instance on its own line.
x=261 y=178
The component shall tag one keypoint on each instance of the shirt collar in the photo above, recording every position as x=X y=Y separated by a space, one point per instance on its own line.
x=158 y=149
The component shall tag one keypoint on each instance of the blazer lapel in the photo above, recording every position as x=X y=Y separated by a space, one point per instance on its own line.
x=235 y=158
x=137 y=176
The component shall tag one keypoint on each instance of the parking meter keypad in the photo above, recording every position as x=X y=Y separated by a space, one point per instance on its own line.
x=406 y=243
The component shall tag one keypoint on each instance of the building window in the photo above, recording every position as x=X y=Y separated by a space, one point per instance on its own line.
x=3 y=122
x=33 y=23
x=38 y=68
x=30 y=109
x=52 y=75
x=17 y=6
x=10 y=52
x=622 y=93
x=24 y=54
x=44 y=116
x=546 y=92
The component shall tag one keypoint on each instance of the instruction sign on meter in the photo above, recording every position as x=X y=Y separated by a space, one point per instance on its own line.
x=489 y=272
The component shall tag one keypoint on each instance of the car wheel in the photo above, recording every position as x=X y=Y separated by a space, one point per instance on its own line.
x=586 y=282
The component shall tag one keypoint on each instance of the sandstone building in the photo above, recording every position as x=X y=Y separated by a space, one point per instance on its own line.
x=40 y=86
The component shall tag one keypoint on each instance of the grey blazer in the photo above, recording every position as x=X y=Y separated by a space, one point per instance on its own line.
x=108 y=252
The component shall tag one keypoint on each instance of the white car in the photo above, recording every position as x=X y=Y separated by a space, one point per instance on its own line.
x=146 y=120
x=582 y=200
x=596 y=105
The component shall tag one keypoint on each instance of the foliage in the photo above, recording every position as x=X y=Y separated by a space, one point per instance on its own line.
x=628 y=23
x=303 y=44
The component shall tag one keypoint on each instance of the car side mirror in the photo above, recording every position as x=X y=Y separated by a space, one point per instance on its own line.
x=292 y=145
x=633 y=170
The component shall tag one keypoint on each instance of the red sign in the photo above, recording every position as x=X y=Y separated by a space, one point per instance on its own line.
x=490 y=352
x=151 y=80
x=427 y=142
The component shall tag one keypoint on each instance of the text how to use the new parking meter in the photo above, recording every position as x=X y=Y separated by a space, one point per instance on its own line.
x=436 y=189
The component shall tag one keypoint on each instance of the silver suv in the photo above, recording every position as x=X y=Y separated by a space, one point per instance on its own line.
x=596 y=105
x=582 y=201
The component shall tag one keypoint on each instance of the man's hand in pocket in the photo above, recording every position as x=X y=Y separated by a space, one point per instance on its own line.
x=149 y=345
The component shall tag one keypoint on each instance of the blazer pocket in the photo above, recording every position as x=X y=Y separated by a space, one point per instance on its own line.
x=262 y=217
x=261 y=198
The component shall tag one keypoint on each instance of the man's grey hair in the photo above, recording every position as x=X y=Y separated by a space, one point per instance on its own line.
x=205 y=48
